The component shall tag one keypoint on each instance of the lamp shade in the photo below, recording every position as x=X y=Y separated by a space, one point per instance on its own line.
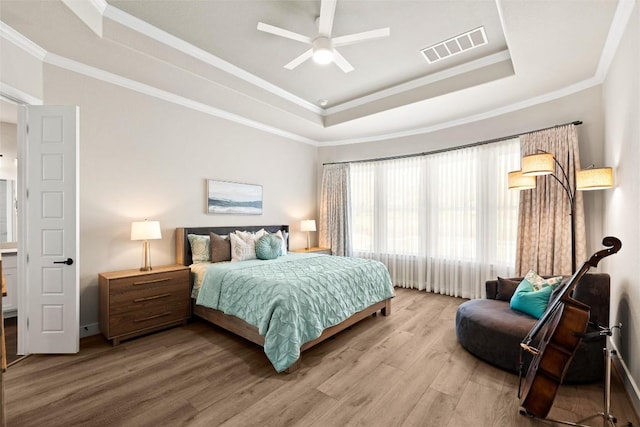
x=145 y=230
x=517 y=181
x=538 y=164
x=594 y=179
x=308 y=225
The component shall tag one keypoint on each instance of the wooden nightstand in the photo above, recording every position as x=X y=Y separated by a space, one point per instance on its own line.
x=325 y=251
x=134 y=302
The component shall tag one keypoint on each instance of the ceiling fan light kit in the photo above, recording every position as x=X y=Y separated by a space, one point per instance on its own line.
x=322 y=51
x=323 y=46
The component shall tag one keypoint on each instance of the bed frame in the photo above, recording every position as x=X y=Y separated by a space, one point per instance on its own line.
x=239 y=326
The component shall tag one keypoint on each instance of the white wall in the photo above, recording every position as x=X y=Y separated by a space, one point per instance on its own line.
x=20 y=70
x=145 y=158
x=621 y=94
x=585 y=105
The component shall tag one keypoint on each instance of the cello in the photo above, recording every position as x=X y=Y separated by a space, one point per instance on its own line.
x=566 y=320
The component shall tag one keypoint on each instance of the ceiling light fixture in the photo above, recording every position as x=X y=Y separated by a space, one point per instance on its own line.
x=322 y=51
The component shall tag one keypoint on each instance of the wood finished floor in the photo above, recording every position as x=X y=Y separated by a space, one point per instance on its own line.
x=403 y=370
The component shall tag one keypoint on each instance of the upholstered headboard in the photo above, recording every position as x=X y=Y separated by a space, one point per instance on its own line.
x=183 y=249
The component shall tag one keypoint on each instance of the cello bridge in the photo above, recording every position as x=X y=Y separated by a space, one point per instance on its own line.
x=530 y=349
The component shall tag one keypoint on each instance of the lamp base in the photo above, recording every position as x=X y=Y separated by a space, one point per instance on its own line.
x=147 y=257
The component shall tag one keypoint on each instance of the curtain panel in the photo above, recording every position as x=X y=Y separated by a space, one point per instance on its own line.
x=544 y=238
x=335 y=215
x=443 y=222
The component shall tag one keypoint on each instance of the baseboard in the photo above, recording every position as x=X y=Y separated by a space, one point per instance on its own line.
x=629 y=383
x=89 y=330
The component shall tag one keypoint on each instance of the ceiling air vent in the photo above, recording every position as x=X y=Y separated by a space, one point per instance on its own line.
x=455 y=45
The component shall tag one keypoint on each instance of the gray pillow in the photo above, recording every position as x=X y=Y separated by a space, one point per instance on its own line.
x=220 y=248
x=506 y=288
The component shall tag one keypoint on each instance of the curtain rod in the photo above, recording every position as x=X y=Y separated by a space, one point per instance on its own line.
x=473 y=144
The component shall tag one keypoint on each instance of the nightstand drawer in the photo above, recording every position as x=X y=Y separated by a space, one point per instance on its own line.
x=148 y=317
x=149 y=282
x=137 y=299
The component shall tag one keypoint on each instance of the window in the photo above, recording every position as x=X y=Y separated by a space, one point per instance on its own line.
x=447 y=214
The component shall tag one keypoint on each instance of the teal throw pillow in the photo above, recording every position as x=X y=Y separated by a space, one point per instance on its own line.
x=268 y=246
x=532 y=296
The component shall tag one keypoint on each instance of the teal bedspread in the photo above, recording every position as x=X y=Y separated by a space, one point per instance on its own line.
x=293 y=298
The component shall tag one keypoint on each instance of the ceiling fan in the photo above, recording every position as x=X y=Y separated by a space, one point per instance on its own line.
x=323 y=45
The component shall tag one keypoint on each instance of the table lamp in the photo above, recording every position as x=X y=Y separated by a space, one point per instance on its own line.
x=146 y=230
x=308 y=225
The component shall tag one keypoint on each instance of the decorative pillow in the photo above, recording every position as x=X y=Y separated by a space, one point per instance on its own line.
x=539 y=282
x=283 y=236
x=200 y=251
x=242 y=248
x=269 y=246
x=220 y=248
x=532 y=294
x=245 y=235
x=506 y=288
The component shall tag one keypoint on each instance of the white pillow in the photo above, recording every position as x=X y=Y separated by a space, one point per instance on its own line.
x=284 y=244
x=242 y=248
x=244 y=235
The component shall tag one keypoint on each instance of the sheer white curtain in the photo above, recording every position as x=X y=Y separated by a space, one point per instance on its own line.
x=444 y=222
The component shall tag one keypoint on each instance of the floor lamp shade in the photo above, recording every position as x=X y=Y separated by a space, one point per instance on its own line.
x=145 y=231
x=538 y=164
x=594 y=179
x=517 y=181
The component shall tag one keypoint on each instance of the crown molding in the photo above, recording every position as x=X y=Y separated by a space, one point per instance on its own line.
x=105 y=76
x=11 y=35
x=18 y=96
x=516 y=106
x=422 y=81
x=616 y=31
x=155 y=33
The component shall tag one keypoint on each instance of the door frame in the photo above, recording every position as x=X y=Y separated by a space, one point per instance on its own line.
x=21 y=100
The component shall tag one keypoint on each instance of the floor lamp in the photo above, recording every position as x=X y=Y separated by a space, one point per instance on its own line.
x=544 y=163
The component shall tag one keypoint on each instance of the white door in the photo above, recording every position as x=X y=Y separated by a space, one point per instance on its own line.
x=48 y=243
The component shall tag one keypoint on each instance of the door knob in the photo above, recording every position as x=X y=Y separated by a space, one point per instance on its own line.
x=69 y=261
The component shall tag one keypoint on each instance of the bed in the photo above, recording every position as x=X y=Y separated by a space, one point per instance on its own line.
x=360 y=288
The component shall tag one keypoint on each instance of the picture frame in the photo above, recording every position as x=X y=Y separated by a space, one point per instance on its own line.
x=226 y=197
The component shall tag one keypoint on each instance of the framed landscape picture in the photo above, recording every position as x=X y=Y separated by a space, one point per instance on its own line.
x=225 y=197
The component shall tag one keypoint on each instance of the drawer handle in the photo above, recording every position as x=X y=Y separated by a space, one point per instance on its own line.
x=151 y=298
x=144 y=319
x=146 y=282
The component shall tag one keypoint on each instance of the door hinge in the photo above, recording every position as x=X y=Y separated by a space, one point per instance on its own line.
x=27 y=258
x=27 y=323
x=27 y=191
x=27 y=130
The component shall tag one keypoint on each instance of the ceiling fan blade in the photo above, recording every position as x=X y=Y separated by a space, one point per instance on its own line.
x=360 y=37
x=327 y=13
x=283 y=33
x=341 y=62
x=299 y=60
